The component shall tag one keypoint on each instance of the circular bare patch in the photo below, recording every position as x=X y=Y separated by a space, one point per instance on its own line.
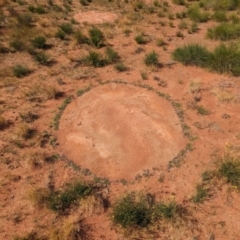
x=118 y=130
x=95 y=17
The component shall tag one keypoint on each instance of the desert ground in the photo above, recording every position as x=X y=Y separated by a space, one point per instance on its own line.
x=119 y=119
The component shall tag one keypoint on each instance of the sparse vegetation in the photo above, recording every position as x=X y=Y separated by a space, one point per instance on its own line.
x=229 y=169
x=193 y=54
x=201 y=194
x=224 y=32
x=151 y=59
x=20 y=71
x=97 y=37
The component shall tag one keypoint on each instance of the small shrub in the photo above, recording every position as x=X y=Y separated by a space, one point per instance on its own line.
x=60 y=34
x=140 y=39
x=226 y=59
x=95 y=59
x=85 y=2
x=196 y=15
x=97 y=37
x=167 y=210
x=179 y=2
x=20 y=71
x=39 y=42
x=220 y=16
x=224 y=31
x=183 y=25
x=151 y=59
x=121 y=67
x=3 y=123
x=111 y=55
x=202 y=110
x=230 y=170
x=67 y=28
x=192 y=54
x=42 y=58
x=129 y=212
x=201 y=194
x=18 y=45
x=81 y=38
x=61 y=200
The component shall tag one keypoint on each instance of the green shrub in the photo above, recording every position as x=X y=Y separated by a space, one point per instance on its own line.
x=151 y=59
x=230 y=170
x=42 y=58
x=81 y=38
x=60 y=34
x=221 y=4
x=61 y=200
x=18 y=45
x=179 y=2
x=85 y=2
x=196 y=15
x=39 y=42
x=67 y=28
x=121 y=67
x=220 y=16
x=166 y=210
x=129 y=212
x=201 y=194
x=140 y=39
x=95 y=59
x=3 y=123
x=111 y=55
x=97 y=37
x=226 y=59
x=192 y=54
x=20 y=71
x=224 y=31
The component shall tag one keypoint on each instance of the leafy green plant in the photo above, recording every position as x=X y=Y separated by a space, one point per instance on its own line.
x=60 y=34
x=229 y=169
x=224 y=31
x=141 y=39
x=94 y=59
x=220 y=16
x=129 y=212
x=18 y=45
x=67 y=28
x=201 y=194
x=97 y=37
x=121 y=67
x=61 y=200
x=39 y=42
x=151 y=59
x=202 y=110
x=42 y=58
x=166 y=210
x=111 y=55
x=192 y=54
x=226 y=59
x=196 y=15
x=20 y=71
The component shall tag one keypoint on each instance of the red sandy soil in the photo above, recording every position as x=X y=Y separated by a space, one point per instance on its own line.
x=95 y=17
x=120 y=131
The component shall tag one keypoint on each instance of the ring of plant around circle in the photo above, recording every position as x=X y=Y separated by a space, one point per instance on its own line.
x=119 y=130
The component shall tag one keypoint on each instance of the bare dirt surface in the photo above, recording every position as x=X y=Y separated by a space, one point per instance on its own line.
x=95 y=17
x=117 y=131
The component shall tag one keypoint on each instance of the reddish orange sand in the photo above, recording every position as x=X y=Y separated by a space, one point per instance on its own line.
x=95 y=17
x=118 y=130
